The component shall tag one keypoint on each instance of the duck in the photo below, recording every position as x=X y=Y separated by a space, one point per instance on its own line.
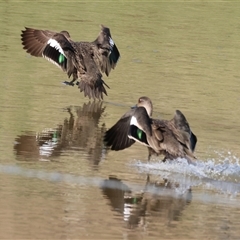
x=84 y=61
x=171 y=138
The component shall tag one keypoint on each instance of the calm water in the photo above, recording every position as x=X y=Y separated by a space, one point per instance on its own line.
x=56 y=178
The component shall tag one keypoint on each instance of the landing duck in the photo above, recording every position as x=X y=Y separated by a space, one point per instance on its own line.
x=84 y=61
x=170 y=138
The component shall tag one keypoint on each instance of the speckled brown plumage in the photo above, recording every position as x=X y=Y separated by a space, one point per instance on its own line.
x=84 y=61
x=171 y=138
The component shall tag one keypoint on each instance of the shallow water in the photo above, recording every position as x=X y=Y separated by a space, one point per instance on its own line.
x=57 y=178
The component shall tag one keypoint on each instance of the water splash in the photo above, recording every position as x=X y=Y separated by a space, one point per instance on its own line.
x=222 y=174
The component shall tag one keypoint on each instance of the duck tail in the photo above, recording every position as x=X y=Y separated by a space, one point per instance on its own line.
x=93 y=91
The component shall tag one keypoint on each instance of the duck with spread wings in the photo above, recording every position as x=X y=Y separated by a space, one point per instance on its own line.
x=84 y=61
x=171 y=138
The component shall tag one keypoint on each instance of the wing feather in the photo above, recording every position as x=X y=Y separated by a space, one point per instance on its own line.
x=117 y=136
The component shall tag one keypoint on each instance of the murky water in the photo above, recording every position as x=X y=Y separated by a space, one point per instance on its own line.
x=58 y=180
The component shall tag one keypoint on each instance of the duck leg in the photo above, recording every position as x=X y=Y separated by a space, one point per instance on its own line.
x=71 y=83
x=150 y=152
x=164 y=160
x=168 y=156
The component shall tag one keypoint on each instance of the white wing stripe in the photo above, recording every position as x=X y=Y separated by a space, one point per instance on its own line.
x=111 y=42
x=53 y=43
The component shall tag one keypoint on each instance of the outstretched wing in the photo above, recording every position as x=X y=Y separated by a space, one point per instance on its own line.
x=140 y=126
x=117 y=136
x=55 y=47
x=83 y=60
x=183 y=131
x=34 y=41
x=106 y=54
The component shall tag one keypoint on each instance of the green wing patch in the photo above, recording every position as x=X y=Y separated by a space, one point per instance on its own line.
x=139 y=133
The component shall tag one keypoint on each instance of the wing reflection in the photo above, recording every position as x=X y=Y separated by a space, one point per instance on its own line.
x=158 y=202
x=80 y=132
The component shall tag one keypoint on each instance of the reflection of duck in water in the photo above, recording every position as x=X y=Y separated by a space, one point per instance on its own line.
x=158 y=202
x=171 y=138
x=80 y=133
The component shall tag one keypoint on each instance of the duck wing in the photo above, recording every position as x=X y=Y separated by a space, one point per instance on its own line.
x=34 y=41
x=55 y=47
x=75 y=58
x=106 y=54
x=117 y=136
x=140 y=126
x=183 y=131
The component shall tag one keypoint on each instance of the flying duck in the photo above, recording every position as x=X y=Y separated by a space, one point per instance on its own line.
x=84 y=61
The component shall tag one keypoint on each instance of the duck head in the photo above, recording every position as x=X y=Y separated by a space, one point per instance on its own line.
x=146 y=103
